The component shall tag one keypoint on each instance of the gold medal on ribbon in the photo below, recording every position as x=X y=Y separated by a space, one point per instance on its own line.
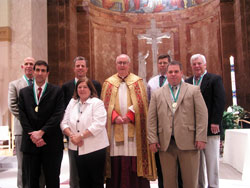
x=36 y=109
x=174 y=105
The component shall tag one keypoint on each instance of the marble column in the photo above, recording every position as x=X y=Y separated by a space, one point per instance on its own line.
x=5 y=38
x=27 y=21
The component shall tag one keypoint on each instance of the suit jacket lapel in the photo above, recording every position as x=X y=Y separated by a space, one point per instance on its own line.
x=204 y=82
x=73 y=85
x=167 y=96
x=30 y=93
x=45 y=93
x=183 y=90
x=190 y=80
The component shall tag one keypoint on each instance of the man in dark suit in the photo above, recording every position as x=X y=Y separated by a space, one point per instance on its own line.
x=41 y=109
x=214 y=95
x=177 y=124
x=80 y=69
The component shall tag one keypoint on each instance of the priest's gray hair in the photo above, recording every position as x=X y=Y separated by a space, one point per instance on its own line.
x=124 y=55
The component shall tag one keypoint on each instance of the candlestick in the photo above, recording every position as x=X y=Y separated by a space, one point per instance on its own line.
x=234 y=98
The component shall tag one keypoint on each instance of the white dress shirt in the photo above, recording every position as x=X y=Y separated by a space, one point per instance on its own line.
x=153 y=84
x=89 y=115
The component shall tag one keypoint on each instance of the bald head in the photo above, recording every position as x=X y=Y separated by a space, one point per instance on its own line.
x=29 y=59
x=27 y=66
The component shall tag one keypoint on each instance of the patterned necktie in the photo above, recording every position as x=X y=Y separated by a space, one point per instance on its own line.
x=161 y=80
x=196 y=80
x=39 y=92
x=30 y=82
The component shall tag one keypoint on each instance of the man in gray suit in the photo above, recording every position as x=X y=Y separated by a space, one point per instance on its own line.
x=177 y=125
x=13 y=96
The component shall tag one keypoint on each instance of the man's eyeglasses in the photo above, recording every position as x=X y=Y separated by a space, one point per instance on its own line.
x=122 y=62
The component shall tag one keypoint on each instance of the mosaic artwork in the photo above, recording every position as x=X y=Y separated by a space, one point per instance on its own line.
x=146 y=6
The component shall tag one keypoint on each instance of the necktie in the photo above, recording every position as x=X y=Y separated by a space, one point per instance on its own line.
x=39 y=92
x=174 y=88
x=30 y=82
x=196 y=80
x=161 y=80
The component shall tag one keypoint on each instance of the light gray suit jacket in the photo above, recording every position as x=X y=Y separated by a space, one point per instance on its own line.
x=190 y=118
x=13 y=96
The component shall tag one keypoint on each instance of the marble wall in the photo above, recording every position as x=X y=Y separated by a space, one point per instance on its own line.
x=5 y=38
x=27 y=20
x=62 y=39
x=242 y=65
x=211 y=28
x=29 y=33
x=194 y=30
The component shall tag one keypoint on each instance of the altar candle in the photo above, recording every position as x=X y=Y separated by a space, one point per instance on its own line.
x=233 y=81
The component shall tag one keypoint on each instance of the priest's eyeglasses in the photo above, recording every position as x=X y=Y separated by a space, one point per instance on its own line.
x=122 y=63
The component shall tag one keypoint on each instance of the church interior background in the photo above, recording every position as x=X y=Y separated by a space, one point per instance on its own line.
x=59 y=30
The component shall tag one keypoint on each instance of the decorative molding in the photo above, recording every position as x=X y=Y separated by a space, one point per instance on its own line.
x=5 y=34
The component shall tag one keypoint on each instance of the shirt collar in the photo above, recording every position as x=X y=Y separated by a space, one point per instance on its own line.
x=88 y=101
x=36 y=86
x=197 y=78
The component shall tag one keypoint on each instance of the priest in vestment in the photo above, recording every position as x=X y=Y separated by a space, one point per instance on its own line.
x=130 y=163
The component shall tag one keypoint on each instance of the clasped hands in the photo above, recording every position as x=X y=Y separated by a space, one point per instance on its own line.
x=122 y=120
x=76 y=139
x=36 y=137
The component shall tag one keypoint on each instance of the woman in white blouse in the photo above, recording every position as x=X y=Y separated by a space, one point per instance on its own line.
x=84 y=123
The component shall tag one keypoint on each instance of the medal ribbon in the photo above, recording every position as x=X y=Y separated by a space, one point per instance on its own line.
x=198 y=83
x=35 y=94
x=175 y=97
x=27 y=80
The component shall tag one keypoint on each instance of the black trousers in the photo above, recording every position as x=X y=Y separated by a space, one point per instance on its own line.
x=91 y=168
x=50 y=162
x=159 y=172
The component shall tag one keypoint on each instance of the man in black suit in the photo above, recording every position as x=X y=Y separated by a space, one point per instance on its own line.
x=80 y=69
x=214 y=95
x=41 y=110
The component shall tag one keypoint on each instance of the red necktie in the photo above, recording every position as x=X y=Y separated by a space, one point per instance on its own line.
x=39 y=92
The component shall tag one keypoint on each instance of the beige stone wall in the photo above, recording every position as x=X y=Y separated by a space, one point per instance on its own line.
x=26 y=21
x=193 y=30
x=5 y=32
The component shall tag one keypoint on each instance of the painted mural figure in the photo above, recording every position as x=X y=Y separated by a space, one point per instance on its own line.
x=146 y=6
x=153 y=6
x=125 y=5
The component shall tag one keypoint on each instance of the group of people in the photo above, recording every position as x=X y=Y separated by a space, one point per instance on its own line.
x=117 y=132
